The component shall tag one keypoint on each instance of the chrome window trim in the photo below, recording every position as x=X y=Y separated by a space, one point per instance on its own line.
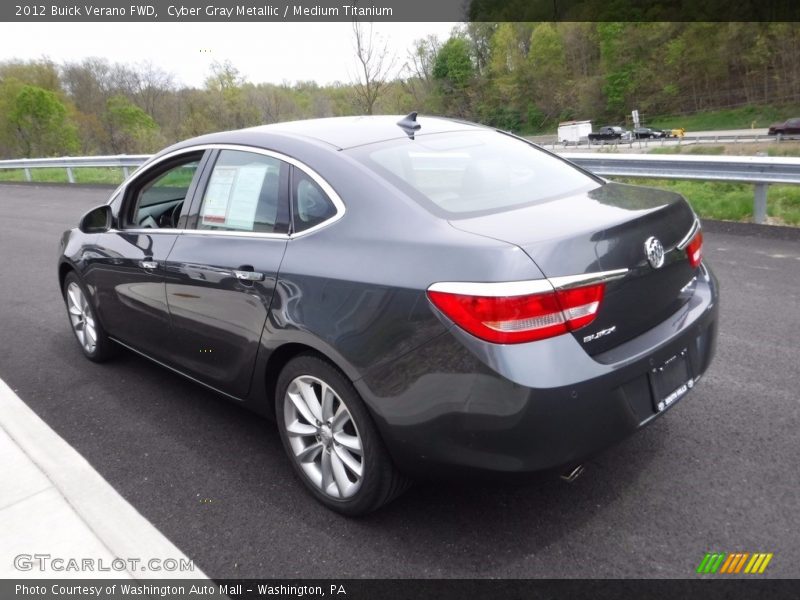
x=144 y=230
x=688 y=237
x=337 y=201
x=523 y=288
x=213 y=232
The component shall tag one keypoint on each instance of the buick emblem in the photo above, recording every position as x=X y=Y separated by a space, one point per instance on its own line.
x=654 y=252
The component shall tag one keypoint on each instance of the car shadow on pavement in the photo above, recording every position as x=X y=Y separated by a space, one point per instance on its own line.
x=214 y=478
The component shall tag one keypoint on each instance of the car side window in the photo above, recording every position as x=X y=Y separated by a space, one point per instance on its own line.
x=310 y=204
x=158 y=199
x=245 y=192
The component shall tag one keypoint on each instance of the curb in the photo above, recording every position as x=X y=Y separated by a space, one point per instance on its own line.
x=113 y=522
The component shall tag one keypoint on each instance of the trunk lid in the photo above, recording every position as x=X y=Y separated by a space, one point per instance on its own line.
x=604 y=230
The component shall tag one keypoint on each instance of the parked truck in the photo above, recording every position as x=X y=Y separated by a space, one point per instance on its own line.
x=573 y=132
x=610 y=133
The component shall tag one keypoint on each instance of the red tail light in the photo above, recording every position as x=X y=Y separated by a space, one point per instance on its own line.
x=694 y=250
x=525 y=318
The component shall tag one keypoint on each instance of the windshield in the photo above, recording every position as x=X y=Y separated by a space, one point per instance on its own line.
x=465 y=174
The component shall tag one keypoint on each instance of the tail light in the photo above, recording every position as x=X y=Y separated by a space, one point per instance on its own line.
x=694 y=249
x=522 y=318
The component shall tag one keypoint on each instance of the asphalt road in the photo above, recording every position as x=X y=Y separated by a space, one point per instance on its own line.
x=718 y=473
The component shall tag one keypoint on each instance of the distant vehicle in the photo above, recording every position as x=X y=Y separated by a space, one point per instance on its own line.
x=789 y=127
x=675 y=133
x=648 y=132
x=572 y=132
x=610 y=133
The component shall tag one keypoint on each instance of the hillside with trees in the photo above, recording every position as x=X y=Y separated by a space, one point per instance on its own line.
x=524 y=77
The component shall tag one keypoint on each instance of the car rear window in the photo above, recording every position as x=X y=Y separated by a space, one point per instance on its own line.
x=465 y=174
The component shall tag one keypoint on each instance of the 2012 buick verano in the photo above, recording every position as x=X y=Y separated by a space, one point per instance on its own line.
x=406 y=297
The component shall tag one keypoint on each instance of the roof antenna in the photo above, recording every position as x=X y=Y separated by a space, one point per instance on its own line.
x=409 y=124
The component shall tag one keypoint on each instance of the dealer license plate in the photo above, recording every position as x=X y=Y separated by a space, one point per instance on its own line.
x=671 y=381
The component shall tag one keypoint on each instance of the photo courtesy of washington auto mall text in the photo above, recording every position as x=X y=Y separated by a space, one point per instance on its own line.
x=172 y=589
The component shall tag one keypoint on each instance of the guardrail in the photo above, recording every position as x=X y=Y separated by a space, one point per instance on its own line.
x=757 y=170
x=761 y=171
x=124 y=161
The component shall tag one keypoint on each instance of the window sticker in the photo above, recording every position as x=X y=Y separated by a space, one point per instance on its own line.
x=215 y=206
x=232 y=197
x=244 y=197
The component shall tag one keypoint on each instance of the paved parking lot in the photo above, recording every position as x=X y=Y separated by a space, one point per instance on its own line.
x=718 y=473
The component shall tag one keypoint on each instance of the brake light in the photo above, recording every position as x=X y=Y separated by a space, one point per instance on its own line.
x=524 y=318
x=694 y=250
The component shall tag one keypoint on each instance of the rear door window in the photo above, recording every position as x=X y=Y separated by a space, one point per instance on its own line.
x=245 y=192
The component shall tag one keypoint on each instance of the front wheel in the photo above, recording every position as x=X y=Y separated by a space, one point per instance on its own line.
x=331 y=441
x=91 y=336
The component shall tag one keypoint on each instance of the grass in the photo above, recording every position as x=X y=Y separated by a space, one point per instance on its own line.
x=788 y=148
x=98 y=175
x=784 y=149
x=688 y=150
x=733 y=201
x=746 y=117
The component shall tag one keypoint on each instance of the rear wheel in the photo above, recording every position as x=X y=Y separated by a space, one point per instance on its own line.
x=331 y=441
x=88 y=330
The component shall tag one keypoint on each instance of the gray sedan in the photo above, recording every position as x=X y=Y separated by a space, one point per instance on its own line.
x=406 y=297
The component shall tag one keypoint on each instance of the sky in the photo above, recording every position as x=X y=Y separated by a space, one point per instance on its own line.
x=263 y=52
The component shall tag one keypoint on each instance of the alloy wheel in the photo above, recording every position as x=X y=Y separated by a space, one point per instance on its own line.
x=323 y=437
x=80 y=315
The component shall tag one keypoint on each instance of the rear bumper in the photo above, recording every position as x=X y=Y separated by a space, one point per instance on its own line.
x=459 y=405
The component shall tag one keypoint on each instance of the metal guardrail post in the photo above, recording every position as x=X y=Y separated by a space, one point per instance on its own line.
x=125 y=172
x=28 y=174
x=760 y=203
x=70 y=175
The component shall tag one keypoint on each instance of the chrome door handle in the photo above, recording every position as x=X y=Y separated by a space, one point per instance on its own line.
x=248 y=275
x=148 y=264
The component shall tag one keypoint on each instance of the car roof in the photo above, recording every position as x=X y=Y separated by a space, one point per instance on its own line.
x=348 y=132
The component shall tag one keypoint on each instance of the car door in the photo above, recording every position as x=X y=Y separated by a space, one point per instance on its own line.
x=222 y=269
x=127 y=268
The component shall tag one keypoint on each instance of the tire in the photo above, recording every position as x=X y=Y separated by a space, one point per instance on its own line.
x=92 y=338
x=322 y=438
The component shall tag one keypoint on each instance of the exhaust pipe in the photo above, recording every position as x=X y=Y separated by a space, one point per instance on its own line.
x=572 y=475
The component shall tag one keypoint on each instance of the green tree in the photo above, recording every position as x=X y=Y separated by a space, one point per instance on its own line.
x=42 y=124
x=131 y=130
x=548 y=70
x=616 y=65
x=453 y=70
x=228 y=101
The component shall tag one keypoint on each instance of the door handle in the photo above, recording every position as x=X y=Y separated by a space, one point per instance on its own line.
x=148 y=264
x=248 y=275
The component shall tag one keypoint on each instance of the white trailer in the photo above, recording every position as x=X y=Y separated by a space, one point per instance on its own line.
x=573 y=132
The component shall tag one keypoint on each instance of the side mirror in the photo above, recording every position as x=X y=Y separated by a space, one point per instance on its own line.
x=97 y=220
